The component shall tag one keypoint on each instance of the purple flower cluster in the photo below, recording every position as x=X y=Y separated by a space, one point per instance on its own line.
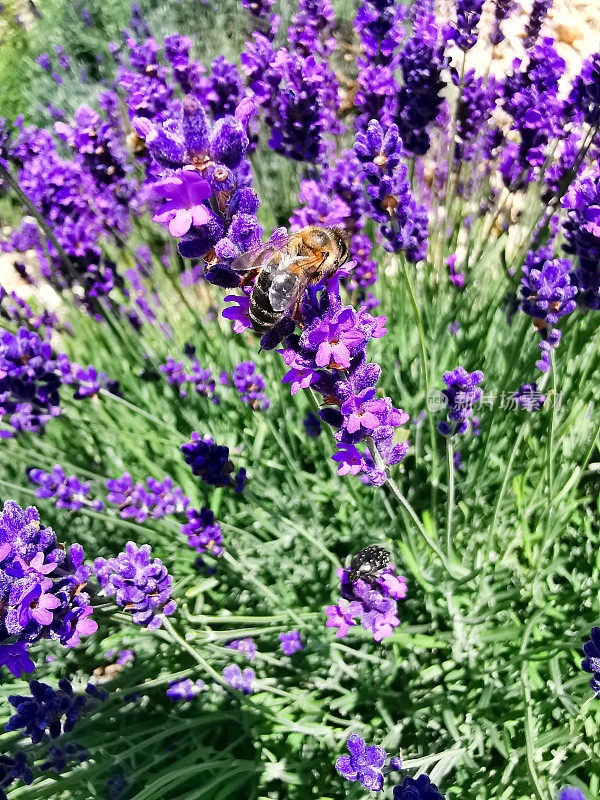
x=250 y=384
x=464 y=31
x=422 y=61
x=364 y=764
x=138 y=583
x=539 y=10
x=502 y=10
x=49 y=712
x=374 y=604
x=147 y=90
x=60 y=757
x=584 y=98
x=529 y=398
x=41 y=588
x=302 y=107
x=15 y=767
x=571 y=793
x=266 y=22
x=156 y=500
x=197 y=378
x=403 y=222
x=222 y=91
x=80 y=200
x=547 y=293
x=69 y=492
x=184 y=690
x=211 y=462
x=245 y=646
x=242 y=681
x=290 y=642
x=460 y=396
x=99 y=144
x=205 y=164
x=582 y=235
x=203 y=531
x=29 y=382
x=420 y=788
x=475 y=106
x=591 y=662
x=311 y=32
x=530 y=96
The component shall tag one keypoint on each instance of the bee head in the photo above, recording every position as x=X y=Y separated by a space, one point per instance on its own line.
x=342 y=242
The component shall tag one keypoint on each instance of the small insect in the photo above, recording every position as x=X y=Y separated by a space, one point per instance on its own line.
x=286 y=267
x=368 y=563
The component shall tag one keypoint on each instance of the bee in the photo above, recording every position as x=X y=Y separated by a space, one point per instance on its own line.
x=368 y=563
x=286 y=267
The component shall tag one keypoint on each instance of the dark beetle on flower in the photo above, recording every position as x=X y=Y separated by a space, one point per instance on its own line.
x=368 y=563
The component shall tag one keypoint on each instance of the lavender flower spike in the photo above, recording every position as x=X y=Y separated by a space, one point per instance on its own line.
x=138 y=583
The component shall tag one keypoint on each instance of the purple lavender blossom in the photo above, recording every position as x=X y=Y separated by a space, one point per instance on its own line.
x=41 y=714
x=475 y=106
x=582 y=234
x=184 y=690
x=223 y=90
x=41 y=586
x=312 y=27
x=43 y=60
x=584 y=98
x=591 y=662
x=539 y=10
x=363 y=764
x=59 y=758
x=208 y=460
x=139 y=584
x=303 y=107
x=460 y=397
x=403 y=222
x=29 y=382
x=421 y=61
x=547 y=293
x=529 y=398
x=290 y=642
x=242 y=681
x=203 y=531
x=137 y=502
x=373 y=605
x=381 y=29
x=502 y=10
x=531 y=98
x=420 y=788
x=312 y=425
x=250 y=384
x=571 y=793
x=185 y=195
x=464 y=31
x=14 y=768
x=246 y=646
x=16 y=659
x=69 y=492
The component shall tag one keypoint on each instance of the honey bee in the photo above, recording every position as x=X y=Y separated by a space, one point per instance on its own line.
x=286 y=267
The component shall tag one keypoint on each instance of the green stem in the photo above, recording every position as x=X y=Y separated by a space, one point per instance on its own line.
x=423 y=354
x=141 y=411
x=449 y=549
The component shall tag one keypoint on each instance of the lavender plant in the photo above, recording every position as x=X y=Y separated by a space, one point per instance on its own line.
x=360 y=548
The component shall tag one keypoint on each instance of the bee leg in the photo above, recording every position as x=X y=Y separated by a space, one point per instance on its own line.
x=296 y=314
x=249 y=278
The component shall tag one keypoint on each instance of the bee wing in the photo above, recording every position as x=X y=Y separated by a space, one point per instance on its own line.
x=291 y=277
x=258 y=256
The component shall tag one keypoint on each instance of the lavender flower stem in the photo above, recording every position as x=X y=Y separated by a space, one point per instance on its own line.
x=452 y=185
x=398 y=494
x=449 y=550
x=141 y=411
x=423 y=352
